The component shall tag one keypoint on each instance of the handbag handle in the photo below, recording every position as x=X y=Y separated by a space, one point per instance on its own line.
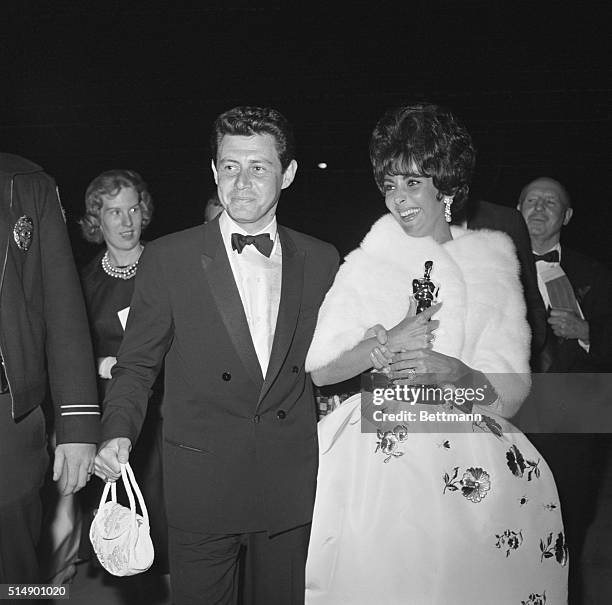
x=127 y=474
x=112 y=486
x=129 y=480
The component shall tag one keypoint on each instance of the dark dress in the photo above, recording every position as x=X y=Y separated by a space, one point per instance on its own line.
x=105 y=296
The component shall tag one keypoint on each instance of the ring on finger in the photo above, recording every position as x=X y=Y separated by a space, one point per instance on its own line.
x=411 y=372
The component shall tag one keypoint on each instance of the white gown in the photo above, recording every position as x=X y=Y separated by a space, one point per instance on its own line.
x=432 y=514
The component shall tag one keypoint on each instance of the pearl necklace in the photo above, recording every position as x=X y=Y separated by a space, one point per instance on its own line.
x=126 y=272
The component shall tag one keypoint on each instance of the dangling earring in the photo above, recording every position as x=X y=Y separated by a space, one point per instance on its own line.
x=448 y=200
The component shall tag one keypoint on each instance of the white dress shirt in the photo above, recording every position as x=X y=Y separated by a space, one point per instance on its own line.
x=542 y=267
x=259 y=281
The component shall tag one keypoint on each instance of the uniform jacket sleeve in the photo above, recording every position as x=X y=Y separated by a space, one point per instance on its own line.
x=68 y=346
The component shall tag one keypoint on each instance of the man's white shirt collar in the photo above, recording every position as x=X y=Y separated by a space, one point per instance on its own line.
x=258 y=279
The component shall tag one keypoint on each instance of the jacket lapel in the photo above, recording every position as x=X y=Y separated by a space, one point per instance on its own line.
x=289 y=307
x=218 y=273
x=583 y=278
x=576 y=277
x=6 y=224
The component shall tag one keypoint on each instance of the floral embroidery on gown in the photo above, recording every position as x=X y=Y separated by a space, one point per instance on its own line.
x=419 y=512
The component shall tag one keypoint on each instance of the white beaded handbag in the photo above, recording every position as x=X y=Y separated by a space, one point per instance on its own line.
x=119 y=536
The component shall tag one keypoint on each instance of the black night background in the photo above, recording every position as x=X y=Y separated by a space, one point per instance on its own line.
x=91 y=86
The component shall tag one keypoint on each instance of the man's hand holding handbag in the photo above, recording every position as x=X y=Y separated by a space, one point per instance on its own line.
x=119 y=535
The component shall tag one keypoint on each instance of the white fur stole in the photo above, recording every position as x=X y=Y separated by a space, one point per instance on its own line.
x=482 y=318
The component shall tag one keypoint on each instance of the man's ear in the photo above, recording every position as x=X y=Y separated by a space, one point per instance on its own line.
x=568 y=215
x=215 y=173
x=289 y=174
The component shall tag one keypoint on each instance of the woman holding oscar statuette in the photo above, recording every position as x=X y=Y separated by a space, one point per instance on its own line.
x=426 y=493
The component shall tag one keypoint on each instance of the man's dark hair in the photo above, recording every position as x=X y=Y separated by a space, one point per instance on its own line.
x=424 y=140
x=247 y=121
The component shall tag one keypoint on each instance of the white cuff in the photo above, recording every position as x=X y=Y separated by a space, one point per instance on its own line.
x=105 y=365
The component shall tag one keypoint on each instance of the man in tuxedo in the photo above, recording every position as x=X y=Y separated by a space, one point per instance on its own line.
x=485 y=215
x=577 y=291
x=584 y=333
x=231 y=305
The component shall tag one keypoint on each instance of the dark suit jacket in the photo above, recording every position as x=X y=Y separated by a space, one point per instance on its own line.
x=484 y=215
x=568 y=397
x=240 y=452
x=592 y=284
x=44 y=334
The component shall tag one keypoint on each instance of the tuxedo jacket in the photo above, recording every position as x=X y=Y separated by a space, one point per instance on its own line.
x=592 y=285
x=485 y=215
x=240 y=450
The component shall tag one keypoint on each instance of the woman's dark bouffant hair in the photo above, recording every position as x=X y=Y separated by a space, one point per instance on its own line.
x=108 y=184
x=247 y=121
x=424 y=140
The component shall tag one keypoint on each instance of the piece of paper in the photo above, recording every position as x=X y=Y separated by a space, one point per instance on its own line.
x=123 y=315
x=559 y=289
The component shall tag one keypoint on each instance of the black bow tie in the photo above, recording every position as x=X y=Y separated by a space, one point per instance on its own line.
x=262 y=242
x=550 y=257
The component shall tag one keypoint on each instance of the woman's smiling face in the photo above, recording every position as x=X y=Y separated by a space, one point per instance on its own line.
x=414 y=202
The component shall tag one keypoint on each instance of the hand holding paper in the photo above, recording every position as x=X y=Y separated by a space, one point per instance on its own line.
x=567 y=324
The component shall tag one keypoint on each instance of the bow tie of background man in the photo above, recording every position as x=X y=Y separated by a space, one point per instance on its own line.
x=552 y=256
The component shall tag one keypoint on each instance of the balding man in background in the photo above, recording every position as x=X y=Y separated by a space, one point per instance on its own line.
x=577 y=293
